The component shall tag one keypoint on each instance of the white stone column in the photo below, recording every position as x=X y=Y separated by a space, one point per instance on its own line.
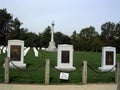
x=52 y=32
x=52 y=46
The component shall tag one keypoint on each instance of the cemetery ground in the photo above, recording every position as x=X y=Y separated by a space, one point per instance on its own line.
x=35 y=72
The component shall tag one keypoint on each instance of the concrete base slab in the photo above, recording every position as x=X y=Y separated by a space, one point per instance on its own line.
x=103 y=69
x=65 y=68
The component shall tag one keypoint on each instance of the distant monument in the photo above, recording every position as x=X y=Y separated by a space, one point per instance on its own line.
x=52 y=46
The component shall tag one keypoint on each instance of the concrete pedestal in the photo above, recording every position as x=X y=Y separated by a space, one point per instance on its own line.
x=65 y=58
x=16 y=53
x=52 y=47
x=108 y=59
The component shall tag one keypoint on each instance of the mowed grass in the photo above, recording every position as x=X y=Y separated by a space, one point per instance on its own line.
x=36 y=74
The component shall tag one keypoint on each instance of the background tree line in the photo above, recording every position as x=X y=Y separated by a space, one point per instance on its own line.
x=88 y=39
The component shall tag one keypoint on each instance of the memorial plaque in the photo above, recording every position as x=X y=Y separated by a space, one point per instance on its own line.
x=109 y=58
x=15 y=53
x=65 y=56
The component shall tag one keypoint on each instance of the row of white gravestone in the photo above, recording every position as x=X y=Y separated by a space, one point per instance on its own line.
x=26 y=49
x=34 y=49
x=3 y=49
x=35 y=52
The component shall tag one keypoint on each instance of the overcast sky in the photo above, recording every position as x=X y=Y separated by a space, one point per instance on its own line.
x=68 y=15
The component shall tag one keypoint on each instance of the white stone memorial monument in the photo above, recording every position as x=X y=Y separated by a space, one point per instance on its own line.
x=108 y=59
x=16 y=53
x=65 y=58
x=52 y=46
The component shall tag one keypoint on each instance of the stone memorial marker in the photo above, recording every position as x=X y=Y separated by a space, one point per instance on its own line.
x=16 y=53
x=43 y=48
x=4 y=50
x=108 y=58
x=26 y=51
x=1 y=49
x=35 y=52
x=38 y=48
x=65 y=58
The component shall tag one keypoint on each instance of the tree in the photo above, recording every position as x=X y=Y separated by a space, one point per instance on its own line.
x=88 y=39
x=45 y=37
x=75 y=41
x=96 y=44
x=58 y=38
x=117 y=38
x=15 y=29
x=61 y=38
x=32 y=40
x=5 y=21
x=108 y=34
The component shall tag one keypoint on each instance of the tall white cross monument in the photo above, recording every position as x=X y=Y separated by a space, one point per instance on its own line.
x=52 y=46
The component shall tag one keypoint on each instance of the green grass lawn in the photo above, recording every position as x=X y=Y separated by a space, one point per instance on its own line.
x=38 y=75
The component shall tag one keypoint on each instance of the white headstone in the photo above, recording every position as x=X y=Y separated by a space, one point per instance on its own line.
x=26 y=51
x=4 y=50
x=38 y=48
x=35 y=52
x=108 y=59
x=25 y=48
x=65 y=58
x=16 y=53
x=1 y=49
x=43 y=48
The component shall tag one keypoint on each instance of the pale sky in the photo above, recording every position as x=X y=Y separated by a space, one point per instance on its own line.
x=68 y=15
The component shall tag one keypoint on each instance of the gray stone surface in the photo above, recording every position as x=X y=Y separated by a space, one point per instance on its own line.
x=58 y=87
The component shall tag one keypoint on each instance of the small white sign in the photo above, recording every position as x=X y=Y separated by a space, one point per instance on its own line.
x=64 y=76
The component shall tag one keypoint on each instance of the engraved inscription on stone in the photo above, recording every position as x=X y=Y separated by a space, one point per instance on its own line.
x=65 y=57
x=15 y=53
x=109 y=58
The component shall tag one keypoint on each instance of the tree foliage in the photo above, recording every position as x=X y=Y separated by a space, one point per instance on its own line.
x=46 y=36
x=61 y=38
x=5 y=21
x=75 y=40
x=89 y=39
x=110 y=35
